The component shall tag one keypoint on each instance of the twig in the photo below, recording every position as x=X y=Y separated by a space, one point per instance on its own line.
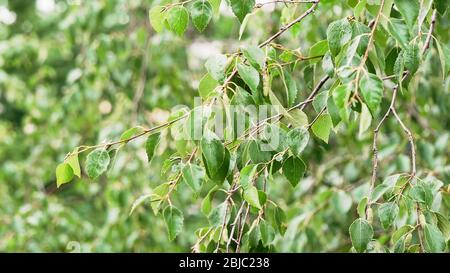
x=288 y=26
x=366 y=53
x=241 y=233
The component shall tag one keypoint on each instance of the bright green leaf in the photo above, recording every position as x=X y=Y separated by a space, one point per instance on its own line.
x=322 y=127
x=64 y=174
x=178 y=19
x=157 y=17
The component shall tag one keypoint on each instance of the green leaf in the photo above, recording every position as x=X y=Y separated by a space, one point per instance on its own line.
x=217 y=214
x=411 y=58
x=215 y=157
x=320 y=101
x=341 y=96
x=280 y=220
x=193 y=176
x=422 y=193
x=72 y=160
x=327 y=64
x=250 y=76
x=257 y=154
x=399 y=233
x=297 y=140
x=64 y=174
x=158 y=195
x=216 y=66
x=150 y=145
x=130 y=133
x=252 y=197
x=434 y=239
x=292 y=90
x=201 y=14
x=361 y=233
x=215 y=4
x=141 y=199
x=318 y=49
x=443 y=58
x=338 y=34
x=157 y=17
x=409 y=10
x=255 y=56
x=365 y=119
x=294 y=169
x=360 y=7
x=206 y=86
x=399 y=31
x=372 y=90
x=333 y=110
x=246 y=175
x=267 y=233
x=387 y=185
x=441 y=6
x=297 y=118
x=97 y=163
x=362 y=207
x=387 y=213
x=322 y=127
x=178 y=19
x=241 y=8
x=173 y=218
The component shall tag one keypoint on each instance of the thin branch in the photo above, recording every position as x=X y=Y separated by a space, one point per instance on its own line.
x=430 y=32
x=366 y=53
x=288 y=26
x=241 y=232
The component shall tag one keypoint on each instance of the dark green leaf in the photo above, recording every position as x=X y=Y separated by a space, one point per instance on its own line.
x=173 y=218
x=294 y=169
x=242 y=7
x=150 y=145
x=361 y=233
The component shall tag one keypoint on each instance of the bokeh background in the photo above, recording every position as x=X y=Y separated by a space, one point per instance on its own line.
x=76 y=72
